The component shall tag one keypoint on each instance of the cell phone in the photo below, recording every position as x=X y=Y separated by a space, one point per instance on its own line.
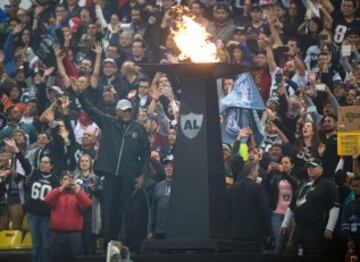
x=283 y=49
x=320 y=87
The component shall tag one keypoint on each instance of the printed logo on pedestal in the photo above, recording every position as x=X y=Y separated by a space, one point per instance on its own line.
x=191 y=124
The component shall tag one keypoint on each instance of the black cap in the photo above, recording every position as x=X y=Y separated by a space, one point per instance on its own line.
x=314 y=163
x=168 y=159
x=241 y=29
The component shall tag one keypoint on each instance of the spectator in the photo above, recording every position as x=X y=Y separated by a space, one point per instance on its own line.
x=90 y=184
x=160 y=203
x=67 y=204
x=11 y=181
x=39 y=182
x=14 y=122
x=223 y=26
x=316 y=200
x=280 y=186
x=349 y=222
x=119 y=134
x=248 y=208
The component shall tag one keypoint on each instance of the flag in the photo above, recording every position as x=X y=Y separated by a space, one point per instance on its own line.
x=244 y=95
x=239 y=110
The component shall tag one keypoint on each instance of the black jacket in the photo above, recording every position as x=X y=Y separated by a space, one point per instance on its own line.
x=124 y=147
x=312 y=202
x=37 y=186
x=248 y=211
x=271 y=184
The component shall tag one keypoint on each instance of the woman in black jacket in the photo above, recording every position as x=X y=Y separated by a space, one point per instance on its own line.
x=280 y=185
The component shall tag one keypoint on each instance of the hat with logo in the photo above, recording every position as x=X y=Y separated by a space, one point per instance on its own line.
x=109 y=61
x=314 y=163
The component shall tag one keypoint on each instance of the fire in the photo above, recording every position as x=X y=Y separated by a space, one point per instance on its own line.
x=193 y=40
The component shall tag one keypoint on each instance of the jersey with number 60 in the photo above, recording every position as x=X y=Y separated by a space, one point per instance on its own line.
x=40 y=185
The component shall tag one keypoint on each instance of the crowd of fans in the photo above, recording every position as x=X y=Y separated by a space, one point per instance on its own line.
x=69 y=73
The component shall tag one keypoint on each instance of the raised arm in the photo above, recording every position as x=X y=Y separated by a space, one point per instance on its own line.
x=270 y=57
x=94 y=79
x=61 y=69
x=95 y=114
x=10 y=142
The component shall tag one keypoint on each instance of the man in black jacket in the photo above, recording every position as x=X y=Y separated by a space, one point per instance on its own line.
x=123 y=156
x=315 y=210
x=248 y=210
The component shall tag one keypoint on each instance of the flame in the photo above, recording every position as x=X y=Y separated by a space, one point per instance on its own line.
x=193 y=40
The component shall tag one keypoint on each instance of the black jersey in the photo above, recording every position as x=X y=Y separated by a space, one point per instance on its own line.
x=38 y=187
x=341 y=27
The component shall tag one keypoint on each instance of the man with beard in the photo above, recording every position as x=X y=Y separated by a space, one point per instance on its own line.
x=292 y=75
x=123 y=157
x=223 y=27
x=328 y=137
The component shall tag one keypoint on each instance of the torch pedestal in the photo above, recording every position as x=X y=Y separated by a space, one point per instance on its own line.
x=197 y=218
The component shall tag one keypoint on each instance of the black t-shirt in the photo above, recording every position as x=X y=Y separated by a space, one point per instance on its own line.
x=40 y=185
x=313 y=201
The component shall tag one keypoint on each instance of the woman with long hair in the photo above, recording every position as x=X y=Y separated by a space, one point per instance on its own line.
x=280 y=185
x=90 y=184
x=308 y=146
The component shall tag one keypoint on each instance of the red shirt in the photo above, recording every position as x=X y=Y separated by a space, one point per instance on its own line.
x=262 y=79
x=67 y=210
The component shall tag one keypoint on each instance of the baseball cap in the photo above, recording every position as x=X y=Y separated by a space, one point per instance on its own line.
x=241 y=29
x=110 y=61
x=66 y=173
x=123 y=105
x=314 y=163
x=168 y=159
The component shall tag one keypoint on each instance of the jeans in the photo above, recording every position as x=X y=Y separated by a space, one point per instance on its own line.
x=276 y=221
x=65 y=246
x=88 y=239
x=39 y=229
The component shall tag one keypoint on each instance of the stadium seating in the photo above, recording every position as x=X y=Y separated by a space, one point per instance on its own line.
x=25 y=224
x=10 y=239
x=26 y=243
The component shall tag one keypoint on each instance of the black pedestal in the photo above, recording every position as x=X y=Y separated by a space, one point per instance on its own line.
x=198 y=213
